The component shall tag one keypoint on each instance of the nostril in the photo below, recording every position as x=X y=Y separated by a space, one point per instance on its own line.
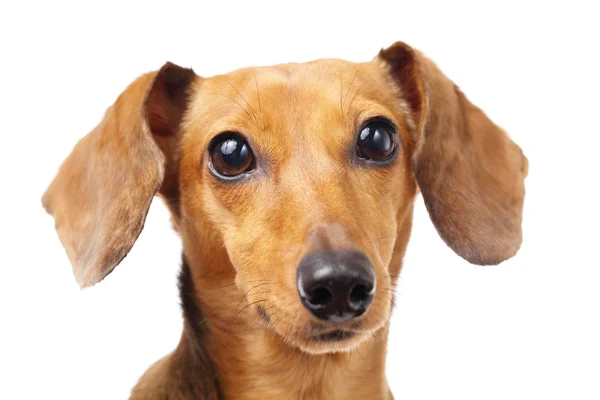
x=360 y=296
x=321 y=297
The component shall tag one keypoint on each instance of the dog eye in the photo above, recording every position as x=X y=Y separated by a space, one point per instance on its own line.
x=230 y=155
x=376 y=141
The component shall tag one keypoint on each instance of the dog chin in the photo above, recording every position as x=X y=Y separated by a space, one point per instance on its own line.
x=336 y=341
x=321 y=341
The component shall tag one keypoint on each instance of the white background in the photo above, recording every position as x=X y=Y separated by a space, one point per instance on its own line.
x=527 y=329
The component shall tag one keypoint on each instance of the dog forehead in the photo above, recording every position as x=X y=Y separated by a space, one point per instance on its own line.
x=287 y=95
x=296 y=75
x=318 y=81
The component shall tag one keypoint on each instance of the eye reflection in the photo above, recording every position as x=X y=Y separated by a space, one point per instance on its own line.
x=231 y=155
x=375 y=141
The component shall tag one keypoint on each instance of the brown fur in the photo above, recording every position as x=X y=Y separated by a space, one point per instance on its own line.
x=247 y=335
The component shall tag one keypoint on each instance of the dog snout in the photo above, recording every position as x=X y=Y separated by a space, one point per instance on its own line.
x=336 y=286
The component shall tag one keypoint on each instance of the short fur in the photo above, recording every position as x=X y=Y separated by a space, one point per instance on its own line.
x=246 y=334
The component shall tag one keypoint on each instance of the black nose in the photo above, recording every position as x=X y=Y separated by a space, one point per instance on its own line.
x=336 y=286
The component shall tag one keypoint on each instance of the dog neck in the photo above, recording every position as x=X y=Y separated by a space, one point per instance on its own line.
x=240 y=358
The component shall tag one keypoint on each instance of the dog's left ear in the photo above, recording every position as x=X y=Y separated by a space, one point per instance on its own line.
x=103 y=190
x=471 y=174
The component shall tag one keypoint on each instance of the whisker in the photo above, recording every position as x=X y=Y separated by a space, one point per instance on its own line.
x=216 y=311
x=239 y=94
x=231 y=284
x=348 y=363
x=376 y=250
x=341 y=94
x=308 y=369
x=383 y=321
x=295 y=376
x=392 y=290
x=255 y=293
x=354 y=97
x=257 y=94
x=374 y=337
x=350 y=87
x=242 y=107
x=359 y=353
x=242 y=299
x=208 y=316
x=239 y=312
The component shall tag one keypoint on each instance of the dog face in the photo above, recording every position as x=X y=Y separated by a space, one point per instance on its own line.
x=302 y=176
x=304 y=172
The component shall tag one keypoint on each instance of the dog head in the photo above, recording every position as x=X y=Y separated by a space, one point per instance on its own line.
x=301 y=176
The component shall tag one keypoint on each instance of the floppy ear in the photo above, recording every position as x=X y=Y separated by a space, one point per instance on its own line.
x=103 y=190
x=469 y=171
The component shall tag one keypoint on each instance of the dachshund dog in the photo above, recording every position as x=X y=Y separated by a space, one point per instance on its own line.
x=292 y=188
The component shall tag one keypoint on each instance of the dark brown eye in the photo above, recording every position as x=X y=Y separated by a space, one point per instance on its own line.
x=230 y=155
x=376 y=141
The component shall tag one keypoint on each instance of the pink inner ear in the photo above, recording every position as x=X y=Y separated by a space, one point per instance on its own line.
x=167 y=99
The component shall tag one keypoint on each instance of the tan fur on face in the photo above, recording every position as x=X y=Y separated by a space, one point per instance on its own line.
x=305 y=179
x=243 y=240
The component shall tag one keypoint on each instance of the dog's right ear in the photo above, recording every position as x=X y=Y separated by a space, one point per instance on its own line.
x=103 y=190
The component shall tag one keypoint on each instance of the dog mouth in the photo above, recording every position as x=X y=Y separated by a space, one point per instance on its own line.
x=337 y=335
x=318 y=333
